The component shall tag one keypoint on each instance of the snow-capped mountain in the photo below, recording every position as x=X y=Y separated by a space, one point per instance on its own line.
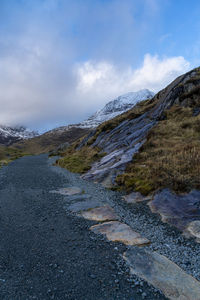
x=9 y=135
x=115 y=107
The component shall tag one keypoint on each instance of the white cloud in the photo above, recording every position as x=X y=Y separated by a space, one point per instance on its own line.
x=41 y=91
x=156 y=73
x=103 y=80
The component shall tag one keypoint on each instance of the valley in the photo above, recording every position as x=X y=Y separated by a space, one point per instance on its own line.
x=127 y=179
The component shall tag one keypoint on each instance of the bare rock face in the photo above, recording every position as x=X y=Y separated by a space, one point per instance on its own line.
x=121 y=144
x=163 y=274
x=178 y=210
x=119 y=232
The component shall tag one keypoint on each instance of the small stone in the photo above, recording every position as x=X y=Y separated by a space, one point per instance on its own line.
x=135 y=197
x=116 y=281
x=144 y=295
x=194 y=229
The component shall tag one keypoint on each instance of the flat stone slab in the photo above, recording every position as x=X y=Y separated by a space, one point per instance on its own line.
x=83 y=205
x=78 y=197
x=135 y=197
x=119 y=232
x=68 y=191
x=101 y=214
x=163 y=274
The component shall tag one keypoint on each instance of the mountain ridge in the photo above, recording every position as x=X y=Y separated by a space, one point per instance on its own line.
x=110 y=110
x=12 y=134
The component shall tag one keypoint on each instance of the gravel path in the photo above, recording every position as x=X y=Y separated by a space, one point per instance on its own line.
x=49 y=253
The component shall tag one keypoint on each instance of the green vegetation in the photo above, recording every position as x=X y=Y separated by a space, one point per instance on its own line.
x=8 y=154
x=169 y=158
x=79 y=161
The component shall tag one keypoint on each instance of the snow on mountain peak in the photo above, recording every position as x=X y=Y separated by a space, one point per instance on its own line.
x=9 y=134
x=117 y=106
x=113 y=108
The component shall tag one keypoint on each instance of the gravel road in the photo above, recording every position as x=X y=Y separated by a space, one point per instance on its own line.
x=48 y=253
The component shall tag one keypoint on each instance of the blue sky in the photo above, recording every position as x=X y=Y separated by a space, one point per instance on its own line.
x=61 y=60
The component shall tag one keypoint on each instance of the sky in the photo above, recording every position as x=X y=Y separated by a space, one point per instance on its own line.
x=61 y=60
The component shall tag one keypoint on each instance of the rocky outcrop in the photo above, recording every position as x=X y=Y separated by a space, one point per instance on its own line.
x=120 y=144
x=123 y=141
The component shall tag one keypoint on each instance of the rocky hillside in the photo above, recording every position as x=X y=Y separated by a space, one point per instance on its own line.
x=152 y=147
x=10 y=135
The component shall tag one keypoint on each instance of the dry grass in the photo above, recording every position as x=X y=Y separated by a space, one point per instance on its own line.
x=169 y=158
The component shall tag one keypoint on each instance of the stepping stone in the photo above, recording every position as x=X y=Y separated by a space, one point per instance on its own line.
x=83 y=205
x=101 y=214
x=119 y=232
x=163 y=274
x=79 y=197
x=135 y=197
x=68 y=191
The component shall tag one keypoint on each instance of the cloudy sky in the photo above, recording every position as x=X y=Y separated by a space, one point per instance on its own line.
x=60 y=60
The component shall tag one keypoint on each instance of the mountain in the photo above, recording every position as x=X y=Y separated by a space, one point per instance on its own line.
x=150 y=150
x=9 y=135
x=68 y=134
x=115 y=107
x=112 y=109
